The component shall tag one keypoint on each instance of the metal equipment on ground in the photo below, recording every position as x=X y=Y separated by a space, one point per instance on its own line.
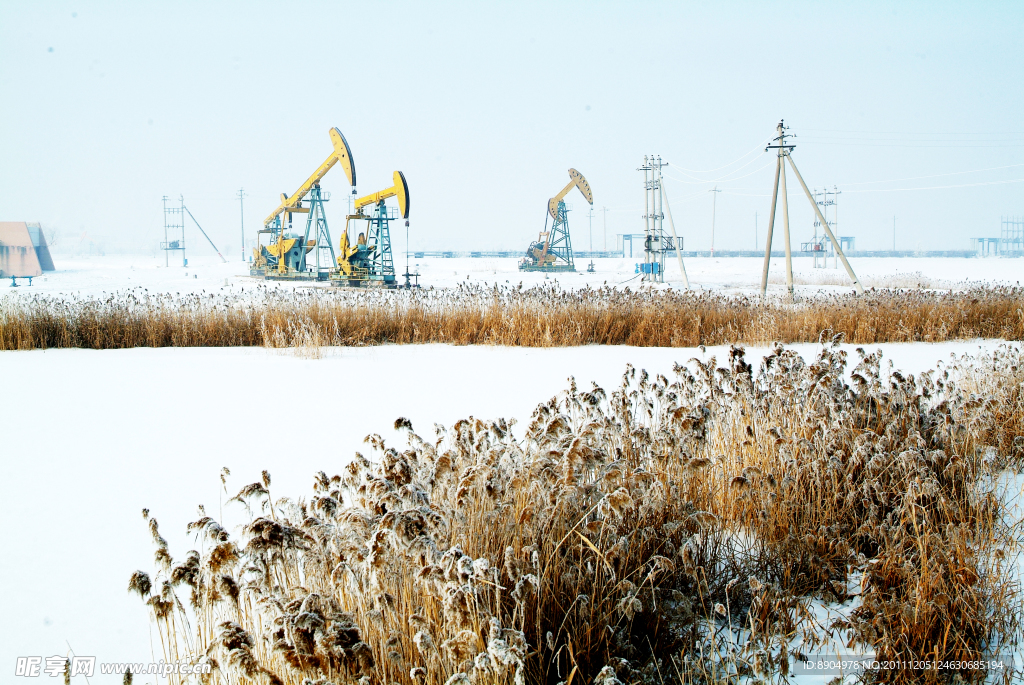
x=367 y=261
x=553 y=250
x=286 y=254
x=657 y=243
x=174 y=219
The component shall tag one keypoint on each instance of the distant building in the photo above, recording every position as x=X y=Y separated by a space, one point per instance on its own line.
x=35 y=231
x=23 y=250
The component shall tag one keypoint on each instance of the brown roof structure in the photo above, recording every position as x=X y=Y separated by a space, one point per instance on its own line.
x=23 y=250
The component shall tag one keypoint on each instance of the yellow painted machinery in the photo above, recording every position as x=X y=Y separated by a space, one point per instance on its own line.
x=284 y=256
x=367 y=260
x=552 y=251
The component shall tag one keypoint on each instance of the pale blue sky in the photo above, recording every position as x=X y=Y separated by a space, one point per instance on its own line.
x=485 y=106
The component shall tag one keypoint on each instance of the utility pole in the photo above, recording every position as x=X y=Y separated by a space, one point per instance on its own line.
x=647 y=215
x=835 y=219
x=184 y=261
x=784 y=149
x=590 y=218
x=714 y=199
x=755 y=230
x=894 y=233
x=654 y=234
x=167 y=258
x=604 y=211
x=241 y=212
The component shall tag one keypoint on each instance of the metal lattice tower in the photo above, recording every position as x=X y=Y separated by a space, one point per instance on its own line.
x=821 y=247
x=559 y=243
x=174 y=222
x=378 y=234
x=656 y=241
x=317 y=225
x=1011 y=236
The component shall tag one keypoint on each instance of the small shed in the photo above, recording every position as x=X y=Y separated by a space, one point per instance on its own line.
x=35 y=231
x=23 y=250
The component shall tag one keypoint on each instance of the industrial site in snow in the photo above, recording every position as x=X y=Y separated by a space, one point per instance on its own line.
x=494 y=345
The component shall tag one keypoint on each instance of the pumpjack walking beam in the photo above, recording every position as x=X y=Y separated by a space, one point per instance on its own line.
x=341 y=153
x=784 y=150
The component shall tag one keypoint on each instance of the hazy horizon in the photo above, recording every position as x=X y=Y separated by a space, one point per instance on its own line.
x=911 y=111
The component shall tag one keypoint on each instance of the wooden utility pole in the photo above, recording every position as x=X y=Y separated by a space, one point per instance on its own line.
x=604 y=213
x=241 y=213
x=714 y=199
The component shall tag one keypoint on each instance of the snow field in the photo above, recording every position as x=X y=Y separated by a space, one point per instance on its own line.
x=95 y=276
x=95 y=436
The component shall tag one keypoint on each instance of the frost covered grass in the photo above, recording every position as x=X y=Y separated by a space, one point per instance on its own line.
x=905 y=280
x=542 y=316
x=672 y=530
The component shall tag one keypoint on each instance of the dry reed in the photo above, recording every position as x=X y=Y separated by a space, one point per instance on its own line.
x=899 y=279
x=537 y=317
x=673 y=530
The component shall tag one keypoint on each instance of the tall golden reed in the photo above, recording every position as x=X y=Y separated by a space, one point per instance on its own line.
x=672 y=531
x=536 y=317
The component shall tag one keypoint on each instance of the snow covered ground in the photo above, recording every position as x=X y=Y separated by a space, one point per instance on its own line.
x=98 y=275
x=92 y=437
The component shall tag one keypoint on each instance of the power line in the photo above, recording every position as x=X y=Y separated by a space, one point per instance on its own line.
x=710 y=171
x=714 y=204
x=886 y=144
x=961 y=185
x=921 y=133
x=724 y=178
x=951 y=173
x=897 y=190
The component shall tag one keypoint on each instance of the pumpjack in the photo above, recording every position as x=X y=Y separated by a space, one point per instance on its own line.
x=367 y=261
x=552 y=251
x=286 y=254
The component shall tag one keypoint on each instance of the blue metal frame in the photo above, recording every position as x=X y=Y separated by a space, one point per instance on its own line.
x=559 y=244
x=378 y=233
x=317 y=223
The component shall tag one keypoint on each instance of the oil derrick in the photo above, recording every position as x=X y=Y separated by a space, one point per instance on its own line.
x=367 y=260
x=285 y=256
x=552 y=251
